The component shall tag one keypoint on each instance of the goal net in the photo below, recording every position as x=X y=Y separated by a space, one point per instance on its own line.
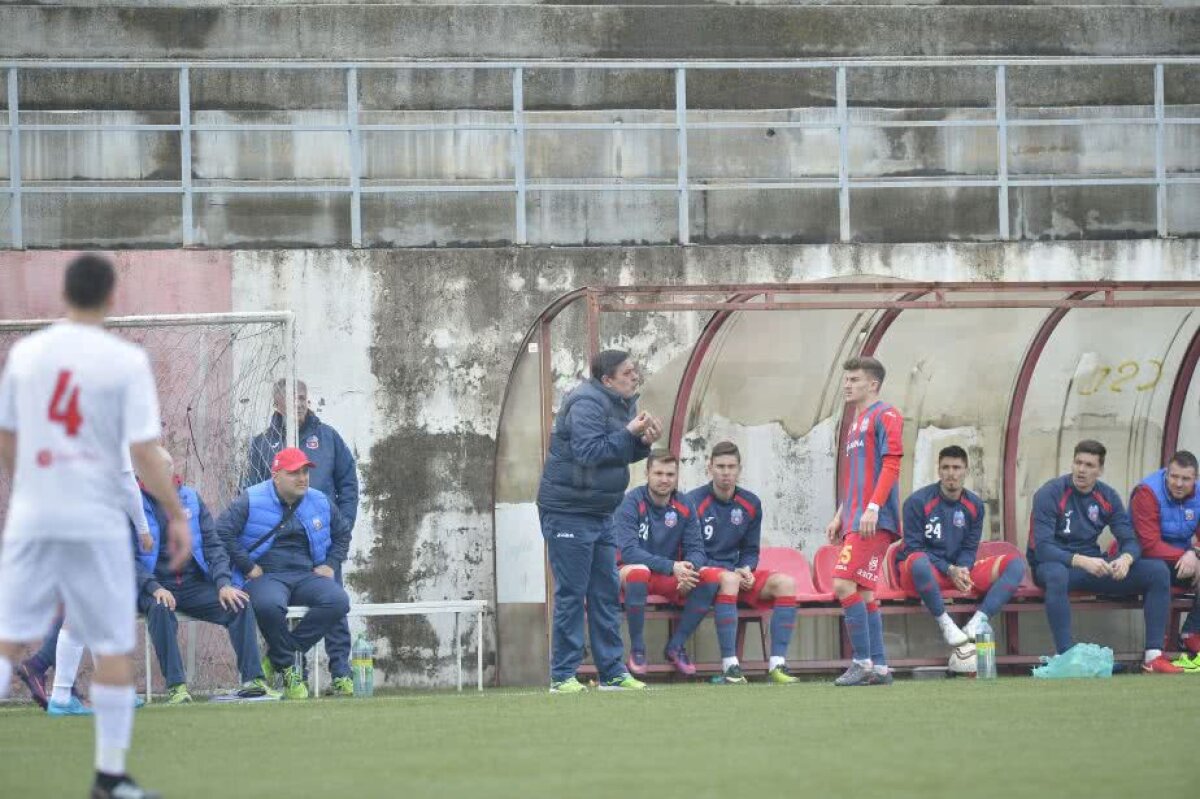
x=215 y=375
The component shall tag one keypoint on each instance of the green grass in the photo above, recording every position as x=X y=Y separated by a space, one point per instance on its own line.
x=1124 y=737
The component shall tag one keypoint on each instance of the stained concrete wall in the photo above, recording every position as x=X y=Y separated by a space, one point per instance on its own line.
x=408 y=353
x=629 y=31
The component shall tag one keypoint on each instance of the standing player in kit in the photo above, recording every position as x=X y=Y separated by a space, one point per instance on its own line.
x=868 y=519
x=72 y=398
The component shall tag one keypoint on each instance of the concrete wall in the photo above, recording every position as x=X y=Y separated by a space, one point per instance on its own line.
x=408 y=353
x=605 y=31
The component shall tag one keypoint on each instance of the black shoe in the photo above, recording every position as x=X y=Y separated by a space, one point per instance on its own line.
x=123 y=788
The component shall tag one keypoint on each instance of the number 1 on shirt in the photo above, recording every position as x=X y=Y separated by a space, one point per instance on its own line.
x=68 y=416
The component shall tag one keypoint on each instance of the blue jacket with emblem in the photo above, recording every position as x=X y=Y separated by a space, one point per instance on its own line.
x=732 y=530
x=211 y=562
x=948 y=532
x=1065 y=522
x=657 y=536
x=1177 y=519
x=259 y=509
x=587 y=467
x=333 y=472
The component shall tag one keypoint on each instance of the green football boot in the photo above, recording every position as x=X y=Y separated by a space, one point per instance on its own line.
x=294 y=686
x=342 y=686
x=780 y=676
x=626 y=682
x=178 y=695
x=568 y=686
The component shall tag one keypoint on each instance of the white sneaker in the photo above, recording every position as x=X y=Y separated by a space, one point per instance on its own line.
x=972 y=628
x=954 y=636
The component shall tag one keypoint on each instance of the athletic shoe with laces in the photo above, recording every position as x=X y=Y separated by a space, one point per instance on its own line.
x=733 y=676
x=680 y=660
x=780 y=676
x=857 y=674
x=568 y=686
x=341 y=686
x=885 y=678
x=636 y=662
x=972 y=629
x=252 y=689
x=625 y=682
x=269 y=674
x=1160 y=665
x=294 y=686
x=178 y=695
x=74 y=707
x=35 y=680
x=125 y=788
x=1189 y=664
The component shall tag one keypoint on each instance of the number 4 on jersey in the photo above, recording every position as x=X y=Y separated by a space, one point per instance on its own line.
x=64 y=405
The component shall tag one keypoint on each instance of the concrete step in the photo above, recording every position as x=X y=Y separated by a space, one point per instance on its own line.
x=492 y=32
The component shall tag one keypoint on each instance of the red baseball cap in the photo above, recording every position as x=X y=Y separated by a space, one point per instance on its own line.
x=290 y=460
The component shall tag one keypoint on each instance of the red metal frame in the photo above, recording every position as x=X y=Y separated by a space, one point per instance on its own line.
x=1012 y=429
x=692 y=370
x=1179 y=392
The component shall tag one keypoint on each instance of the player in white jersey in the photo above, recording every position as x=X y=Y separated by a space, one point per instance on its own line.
x=72 y=398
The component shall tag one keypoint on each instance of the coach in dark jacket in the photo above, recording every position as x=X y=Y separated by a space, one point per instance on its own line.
x=598 y=432
x=333 y=474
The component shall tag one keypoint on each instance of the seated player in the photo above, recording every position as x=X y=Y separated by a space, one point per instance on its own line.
x=660 y=551
x=731 y=519
x=286 y=541
x=202 y=589
x=1166 y=518
x=1069 y=514
x=943 y=524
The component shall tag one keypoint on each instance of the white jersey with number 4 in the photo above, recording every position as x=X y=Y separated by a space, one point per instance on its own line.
x=76 y=397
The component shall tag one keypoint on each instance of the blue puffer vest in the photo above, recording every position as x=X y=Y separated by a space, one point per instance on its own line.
x=191 y=506
x=1178 y=518
x=568 y=486
x=265 y=512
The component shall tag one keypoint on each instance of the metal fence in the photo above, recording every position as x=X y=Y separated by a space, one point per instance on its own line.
x=518 y=127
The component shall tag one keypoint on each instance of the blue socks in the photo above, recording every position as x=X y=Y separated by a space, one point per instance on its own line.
x=725 y=615
x=783 y=623
x=875 y=626
x=926 y=584
x=855 y=612
x=695 y=608
x=636 y=589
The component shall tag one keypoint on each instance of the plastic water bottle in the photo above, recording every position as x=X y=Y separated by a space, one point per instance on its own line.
x=985 y=652
x=362 y=666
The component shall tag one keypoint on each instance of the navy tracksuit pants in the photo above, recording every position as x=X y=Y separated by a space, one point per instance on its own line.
x=1150 y=578
x=273 y=592
x=198 y=599
x=583 y=558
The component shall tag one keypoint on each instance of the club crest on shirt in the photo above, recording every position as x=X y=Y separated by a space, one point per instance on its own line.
x=865 y=425
x=313 y=442
x=736 y=516
x=1189 y=515
x=671 y=518
x=960 y=519
x=317 y=523
x=1094 y=513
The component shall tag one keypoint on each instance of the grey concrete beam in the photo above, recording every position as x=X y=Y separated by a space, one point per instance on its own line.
x=516 y=31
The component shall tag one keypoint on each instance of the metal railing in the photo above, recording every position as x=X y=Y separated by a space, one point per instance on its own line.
x=520 y=185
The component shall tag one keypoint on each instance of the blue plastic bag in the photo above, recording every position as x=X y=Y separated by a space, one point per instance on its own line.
x=1081 y=660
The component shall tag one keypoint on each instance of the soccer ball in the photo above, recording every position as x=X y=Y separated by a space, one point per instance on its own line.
x=962 y=660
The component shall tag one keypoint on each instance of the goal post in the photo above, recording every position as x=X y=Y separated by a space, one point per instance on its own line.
x=215 y=375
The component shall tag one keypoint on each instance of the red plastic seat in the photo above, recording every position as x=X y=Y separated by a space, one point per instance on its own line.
x=889 y=587
x=823 y=562
x=792 y=562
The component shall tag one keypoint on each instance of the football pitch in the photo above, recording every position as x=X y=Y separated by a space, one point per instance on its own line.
x=1125 y=737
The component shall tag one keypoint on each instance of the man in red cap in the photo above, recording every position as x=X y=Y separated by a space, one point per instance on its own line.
x=286 y=541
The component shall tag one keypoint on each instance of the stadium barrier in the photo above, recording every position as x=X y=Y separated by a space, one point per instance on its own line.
x=477 y=607
x=814 y=598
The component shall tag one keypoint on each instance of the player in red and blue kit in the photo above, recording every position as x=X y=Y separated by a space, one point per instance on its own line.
x=1069 y=514
x=661 y=552
x=943 y=525
x=731 y=522
x=868 y=518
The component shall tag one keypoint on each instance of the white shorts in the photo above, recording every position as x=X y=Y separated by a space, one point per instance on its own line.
x=93 y=581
